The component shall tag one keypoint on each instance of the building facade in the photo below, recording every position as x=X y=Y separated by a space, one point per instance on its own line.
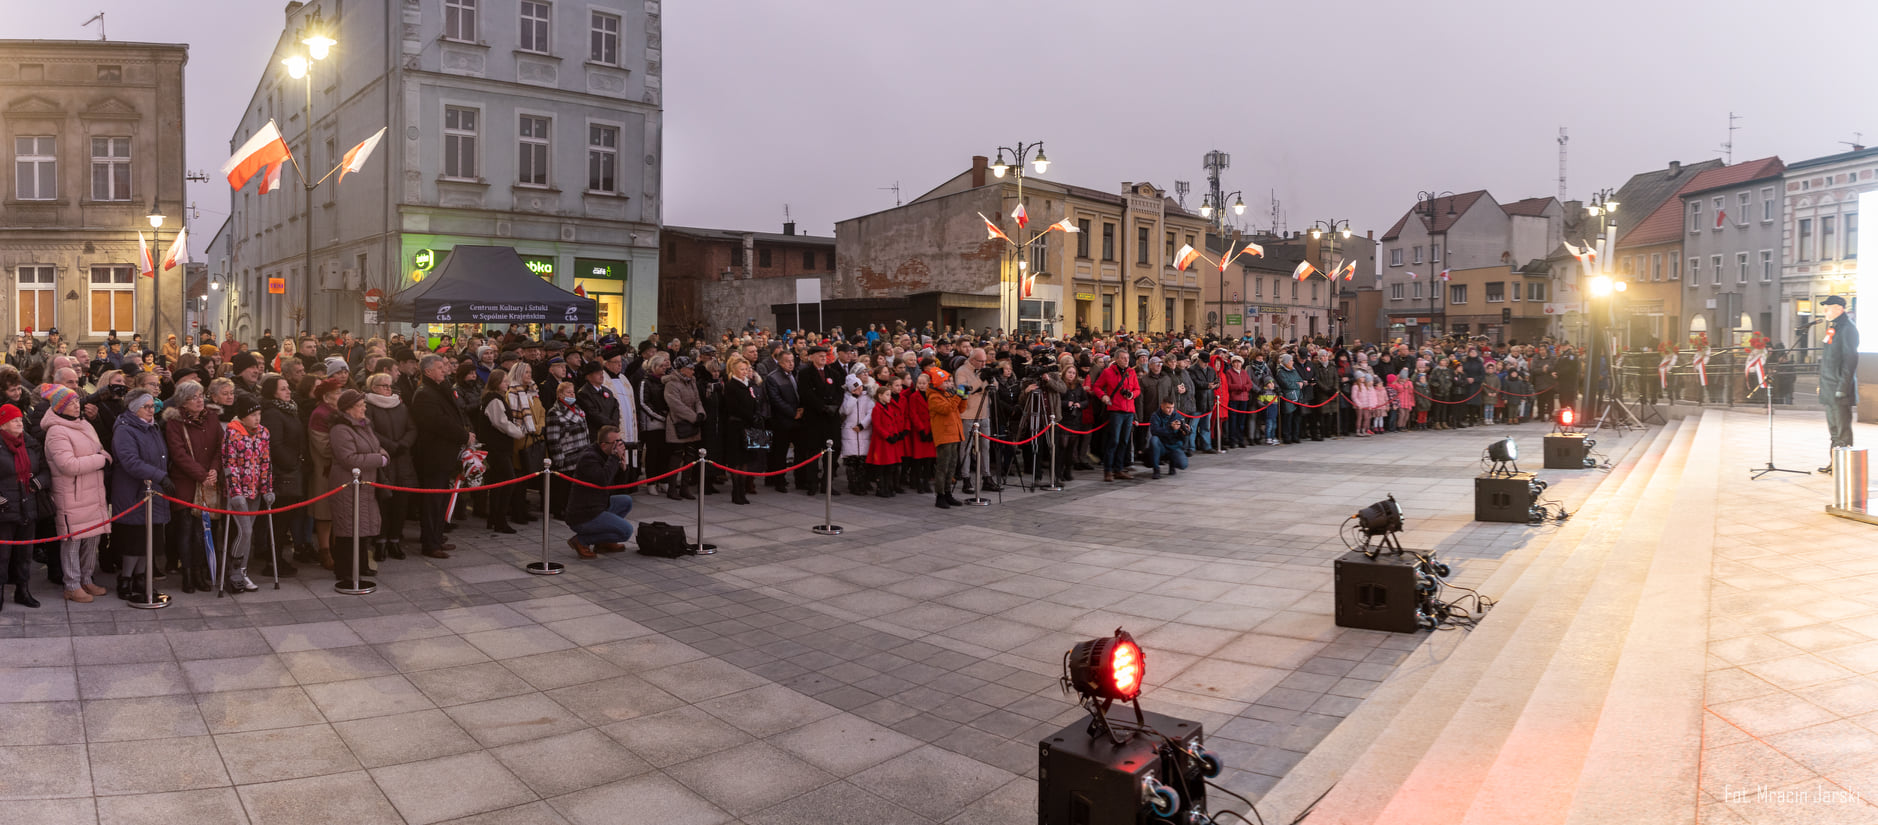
x=931 y=260
x=96 y=129
x=1731 y=249
x=1819 y=243
x=1648 y=226
x=529 y=124
x=721 y=279
x=1451 y=233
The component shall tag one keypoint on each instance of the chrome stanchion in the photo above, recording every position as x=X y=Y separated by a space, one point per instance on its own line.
x=1049 y=433
x=978 y=482
x=545 y=567
x=152 y=600
x=356 y=587
x=828 y=527
x=704 y=467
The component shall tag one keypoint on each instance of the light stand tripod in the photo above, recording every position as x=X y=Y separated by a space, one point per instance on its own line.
x=1767 y=394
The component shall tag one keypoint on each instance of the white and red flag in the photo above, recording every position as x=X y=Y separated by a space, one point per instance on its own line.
x=1019 y=215
x=992 y=230
x=1064 y=226
x=1444 y=274
x=356 y=156
x=263 y=152
x=1721 y=218
x=1303 y=271
x=1185 y=257
x=144 y=265
x=179 y=250
x=1226 y=258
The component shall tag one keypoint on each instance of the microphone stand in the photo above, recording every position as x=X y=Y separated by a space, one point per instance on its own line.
x=1767 y=393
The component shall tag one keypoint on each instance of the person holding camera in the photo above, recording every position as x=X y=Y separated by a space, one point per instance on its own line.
x=1167 y=439
x=1117 y=387
x=978 y=380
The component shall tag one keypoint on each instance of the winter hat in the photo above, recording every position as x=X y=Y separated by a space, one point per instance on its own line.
x=56 y=395
x=336 y=365
x=349 y=398
x=8 y=412
x=245 y=404
x=853 y=383
x=244 y=360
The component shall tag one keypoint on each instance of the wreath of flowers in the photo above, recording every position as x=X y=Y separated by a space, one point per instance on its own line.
x=1666 y=348
x=1757 y=342
x=1698 y=341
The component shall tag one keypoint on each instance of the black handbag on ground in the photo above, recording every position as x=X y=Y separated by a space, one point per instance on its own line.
x=666 y=541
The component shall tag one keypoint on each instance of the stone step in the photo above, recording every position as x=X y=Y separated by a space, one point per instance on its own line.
x=1358 y=768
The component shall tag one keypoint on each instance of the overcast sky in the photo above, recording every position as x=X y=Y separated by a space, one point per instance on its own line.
x=1342 y=110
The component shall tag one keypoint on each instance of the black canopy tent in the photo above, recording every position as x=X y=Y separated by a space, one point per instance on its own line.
x=491 y=285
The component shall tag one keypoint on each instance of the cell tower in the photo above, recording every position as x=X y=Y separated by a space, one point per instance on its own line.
x=1181 y=188
x=1214 y=163
x=1562 y=140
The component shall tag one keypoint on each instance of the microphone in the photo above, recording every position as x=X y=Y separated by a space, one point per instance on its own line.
x=1810 y=324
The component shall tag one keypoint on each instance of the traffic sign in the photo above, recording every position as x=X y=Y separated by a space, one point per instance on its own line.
x=372 y=297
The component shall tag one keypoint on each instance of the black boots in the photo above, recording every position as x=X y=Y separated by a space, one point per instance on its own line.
x=395 y=549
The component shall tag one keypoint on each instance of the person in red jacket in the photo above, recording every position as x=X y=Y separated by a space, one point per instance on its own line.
x=920 y=450
x=1117 y=388
x=886 y=444
x=1239 y=391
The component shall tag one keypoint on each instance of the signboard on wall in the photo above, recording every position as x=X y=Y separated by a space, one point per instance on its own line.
x=596 y=268
x=1234 y=320
x=542 y=265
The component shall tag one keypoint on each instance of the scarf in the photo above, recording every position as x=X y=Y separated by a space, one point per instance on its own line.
x=288 y=407
x=22 y=464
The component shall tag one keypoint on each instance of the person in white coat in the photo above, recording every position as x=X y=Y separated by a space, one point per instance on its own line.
x=857 y=422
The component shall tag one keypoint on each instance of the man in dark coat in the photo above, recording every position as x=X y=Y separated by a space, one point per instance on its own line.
x=819 y=389
x=785 y=419
x=596 y=400
x=598 y=517
x=1838 y=373
x=440 y=438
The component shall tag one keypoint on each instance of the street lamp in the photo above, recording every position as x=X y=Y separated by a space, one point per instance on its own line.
x=312 y=34
x=1008 y=307
x=1334 y=227
x=1425 y=203
x=1207 y=210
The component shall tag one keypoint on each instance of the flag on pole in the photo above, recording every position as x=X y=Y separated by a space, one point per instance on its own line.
x=144 y=265
x=1444 y=274
x=1253 y=248
x=179 y=250
x=266 y=149
x=992 y=230
x=356 y=156
x=1019 y=215
x=1030 y=284
x=1721 y=218
x=1185 y=257
x=1303 y=271
x=270 y=180
x=1064 y=226
x=1226 y=258
x=1349 y=270
x=580 y=290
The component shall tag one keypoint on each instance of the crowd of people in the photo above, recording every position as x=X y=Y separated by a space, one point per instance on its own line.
x=222 y=430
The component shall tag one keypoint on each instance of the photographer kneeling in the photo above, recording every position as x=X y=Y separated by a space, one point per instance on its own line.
x=598 y=517
x=1167 y=439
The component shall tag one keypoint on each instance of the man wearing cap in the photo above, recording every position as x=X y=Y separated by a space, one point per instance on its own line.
x=819 y=389
x=1838 y=373
x=596 y=400
x=441 y=434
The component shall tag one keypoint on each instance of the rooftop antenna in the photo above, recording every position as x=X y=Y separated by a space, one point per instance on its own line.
x=1728 y=148
x=895 y=189
x=1562 y=140
x=98 y=19
x=1276 y=212
x=1181 y=188
x=1857 y=142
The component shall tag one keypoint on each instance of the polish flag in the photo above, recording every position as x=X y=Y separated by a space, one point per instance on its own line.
x=1030 y=285
x=263 y=150
x=1019 y=215
x=356 y=156
x=1303 y=271
x=992 y=230
x=1349 y=270
x=179 y=250
x=1185 y=257
x=1444 y=274
x=1253 y=248
x=271 y=180
x=1064 y=226
x=1721 y=218
x=144 y=264
x=1226 y=258
x=580 y=290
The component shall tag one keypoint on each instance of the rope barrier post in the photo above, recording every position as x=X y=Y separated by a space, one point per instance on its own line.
x=828 y=527
x=704 y=469
x=356 y=587
x=152 y=600
x=1055 y=485
x=273 y=547
x=545 y=567
x=978 y=482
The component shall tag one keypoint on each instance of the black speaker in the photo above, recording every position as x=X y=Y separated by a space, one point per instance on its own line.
x=1566 y=451
x=1089 y=780
x=1379 y=593
x=1507 y=497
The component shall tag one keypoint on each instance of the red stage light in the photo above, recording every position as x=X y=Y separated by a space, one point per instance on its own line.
x=1565 y=416
x=1107 y=668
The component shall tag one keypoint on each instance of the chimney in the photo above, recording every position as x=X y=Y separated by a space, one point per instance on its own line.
x=293 y=6
x=980 y=165
x=1675 y=168
x=1371 y=234
x=789 y=227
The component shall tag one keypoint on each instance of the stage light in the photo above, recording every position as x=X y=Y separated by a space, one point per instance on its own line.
x=1382 y=517
x=1566 y=418
x=1503 y=450
x=1109 y=668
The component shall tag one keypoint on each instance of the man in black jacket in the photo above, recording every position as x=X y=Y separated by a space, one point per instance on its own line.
x=1838 y=373
x=598 y=517
x=440 y=437
x=819 y=387
x=594 y=399
x=785 y=419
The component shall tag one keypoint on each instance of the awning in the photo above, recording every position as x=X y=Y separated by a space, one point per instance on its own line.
x=964 y=300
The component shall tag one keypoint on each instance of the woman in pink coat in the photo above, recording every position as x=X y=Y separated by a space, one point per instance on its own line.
x=77 y=459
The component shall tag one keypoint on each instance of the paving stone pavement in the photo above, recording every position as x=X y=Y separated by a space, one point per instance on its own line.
x=899 y=673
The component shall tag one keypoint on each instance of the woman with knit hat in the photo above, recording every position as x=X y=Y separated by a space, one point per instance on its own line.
x=195 y=448
x=355 y=446
x=249 y=484
x=141 y=456
x=77 y=459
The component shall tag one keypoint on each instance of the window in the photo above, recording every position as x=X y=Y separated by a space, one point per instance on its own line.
x=1827 y=252
x=1190 y=239
x=1512 y=293
x=1767 y=266
x=113 y=299
x=828 y=261
x=1715 y=264
x=534 y=29
x=1313 y=291
x=1457 y=293
x=1767 y=205
x=1496 y=292
x=1108 y=310
x=1141 y=245
x=1721 y=210
x=1170 y=246
x=1418 y=254
x=1258 y=287
x=459 y=20
x=1656 y=266
x=1695 y=216
x=1695 y=272
x=671 y=252
x=1418 y=290
x=1108 y=241
x=602 y=158
x=1851 y=236
x=1141 y=314
x=1803 y=250
x=36 y=301
x=1746 y=203
x=1395 y=292
x=1675 y=269
x=1741 y=267
x=762 y=257
x=1040 y=254
x=808 y=259
x=531 y=164
x=1294 y=290
x=1434 y=253
x=110 y=169
x=1082 y=237
x=736 y=256
x=459 y=143
x=1535 y=291
x=1168 y=317
x=605 y=39
x=35 y=168
x=1395 y=257
x=1630 y=265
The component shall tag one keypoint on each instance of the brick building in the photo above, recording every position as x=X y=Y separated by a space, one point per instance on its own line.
x=726 y=278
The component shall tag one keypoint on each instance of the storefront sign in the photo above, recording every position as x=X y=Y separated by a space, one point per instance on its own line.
x=540 y=265
x=1234 y=320
x=596 y=268
x=1085 y=296
x=424 y=260
x=1269 y=310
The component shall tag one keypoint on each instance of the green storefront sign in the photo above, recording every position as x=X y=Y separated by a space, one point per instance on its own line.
x=540 y=265
x=424 y=260
x=1234 y=320
x=597 y=268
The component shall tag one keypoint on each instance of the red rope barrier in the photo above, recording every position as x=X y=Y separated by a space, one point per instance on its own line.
x=295 y=506
x=804 y=463
x=1333 y=397
x=1450 y=403
x=1098 y=428
x=75 y=533
x=515 y=480
x=1250 y=412
x=643 y=481
x=1016 y=443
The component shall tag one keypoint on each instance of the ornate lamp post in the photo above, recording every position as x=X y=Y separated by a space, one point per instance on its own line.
x=1008 y=289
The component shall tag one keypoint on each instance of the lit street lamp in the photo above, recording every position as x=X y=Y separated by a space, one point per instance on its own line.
x=1009 y=315
x=1331 y=266
x=1208 y=210
x=312 y=34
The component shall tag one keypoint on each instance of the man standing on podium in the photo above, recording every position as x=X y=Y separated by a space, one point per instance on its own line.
x=1838 y=373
